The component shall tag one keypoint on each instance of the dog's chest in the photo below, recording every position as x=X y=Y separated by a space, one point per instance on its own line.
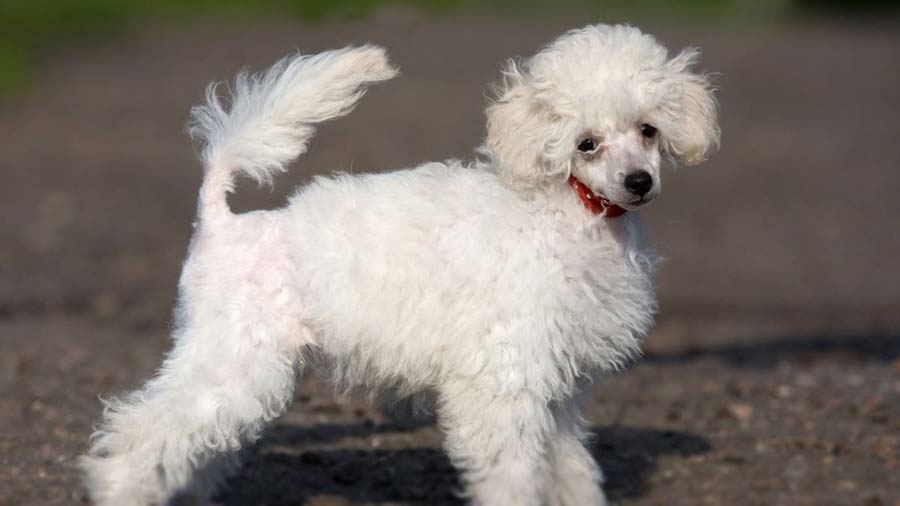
x=606 y=295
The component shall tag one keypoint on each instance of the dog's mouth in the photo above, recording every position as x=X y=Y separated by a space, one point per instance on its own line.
x=598 y=203
x=634 y=203
x=628 y=204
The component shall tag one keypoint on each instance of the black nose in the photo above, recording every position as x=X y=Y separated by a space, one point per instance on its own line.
x=639 y=182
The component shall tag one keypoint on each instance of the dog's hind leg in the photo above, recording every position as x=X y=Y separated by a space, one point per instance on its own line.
x=153 y=441
x=233 y=368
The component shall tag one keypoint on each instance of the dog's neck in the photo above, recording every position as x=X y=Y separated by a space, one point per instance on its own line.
x=594 y=203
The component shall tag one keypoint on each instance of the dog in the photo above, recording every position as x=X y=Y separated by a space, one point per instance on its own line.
x=500 y=288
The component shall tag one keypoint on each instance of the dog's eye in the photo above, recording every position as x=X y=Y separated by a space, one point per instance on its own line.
x=587 y=145
x=648 y=131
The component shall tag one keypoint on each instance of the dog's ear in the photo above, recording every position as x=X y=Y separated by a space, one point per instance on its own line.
x=525 y=135
x=693 y=129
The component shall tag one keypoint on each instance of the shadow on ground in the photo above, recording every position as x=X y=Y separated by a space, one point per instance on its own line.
x=766 y=354
x=627 y=455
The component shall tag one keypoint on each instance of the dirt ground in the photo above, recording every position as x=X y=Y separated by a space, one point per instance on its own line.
x=772 y=378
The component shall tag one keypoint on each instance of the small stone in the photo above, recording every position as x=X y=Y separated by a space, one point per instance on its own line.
x=847 y=485
x=740 y=410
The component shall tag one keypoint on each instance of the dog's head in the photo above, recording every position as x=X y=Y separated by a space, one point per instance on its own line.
x=606 y=104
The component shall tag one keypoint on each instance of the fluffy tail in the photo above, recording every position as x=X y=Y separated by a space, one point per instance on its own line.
x=272 y=115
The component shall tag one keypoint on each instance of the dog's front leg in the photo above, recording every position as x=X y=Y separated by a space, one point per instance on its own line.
x=576 y=475
x=498 y=438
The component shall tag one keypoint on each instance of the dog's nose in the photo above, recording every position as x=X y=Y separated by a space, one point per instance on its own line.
x=639 y=182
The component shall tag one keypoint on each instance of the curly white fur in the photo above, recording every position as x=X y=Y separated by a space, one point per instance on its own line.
x=488 y=286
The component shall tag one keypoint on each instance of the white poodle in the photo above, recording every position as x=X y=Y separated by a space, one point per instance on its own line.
x=500 y=288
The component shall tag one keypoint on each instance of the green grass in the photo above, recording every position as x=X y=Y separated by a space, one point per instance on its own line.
x=27 y=26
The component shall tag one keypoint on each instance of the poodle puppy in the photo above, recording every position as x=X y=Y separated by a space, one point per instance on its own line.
x=500 y=288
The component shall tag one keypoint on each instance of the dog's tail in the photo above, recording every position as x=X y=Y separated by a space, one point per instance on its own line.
x=271 y=117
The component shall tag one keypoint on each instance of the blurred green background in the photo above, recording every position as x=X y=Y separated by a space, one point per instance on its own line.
x=28 y=26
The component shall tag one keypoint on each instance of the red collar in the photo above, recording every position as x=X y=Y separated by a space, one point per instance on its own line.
x=593 y=203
